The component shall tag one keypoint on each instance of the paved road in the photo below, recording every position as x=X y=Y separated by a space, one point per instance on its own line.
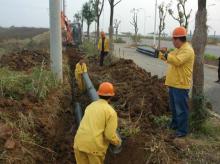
x=158 y=67
x=212 y=49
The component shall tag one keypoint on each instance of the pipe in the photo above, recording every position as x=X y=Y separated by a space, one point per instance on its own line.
x=94 y=96
x=90 y=88
x=78 y=113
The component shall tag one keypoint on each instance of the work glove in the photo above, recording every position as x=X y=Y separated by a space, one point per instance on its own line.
x=163 y=54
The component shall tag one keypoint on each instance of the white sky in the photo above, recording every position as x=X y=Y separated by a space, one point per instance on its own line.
x=35 y=13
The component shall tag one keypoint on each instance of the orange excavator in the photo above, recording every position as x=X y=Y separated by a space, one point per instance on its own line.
x=71 y=33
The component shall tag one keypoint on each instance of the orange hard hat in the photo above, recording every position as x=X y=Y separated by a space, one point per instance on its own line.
x=106 y=89
x=179 y=32
x=102 y=34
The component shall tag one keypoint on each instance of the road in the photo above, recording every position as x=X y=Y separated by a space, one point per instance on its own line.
x=158 y=67
x=211 y=49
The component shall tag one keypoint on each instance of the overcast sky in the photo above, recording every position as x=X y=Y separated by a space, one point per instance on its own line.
x=35 y=13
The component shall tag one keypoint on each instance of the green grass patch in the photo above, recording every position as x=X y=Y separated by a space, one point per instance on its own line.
x=210 y=57
x=16 y=84
x=161 y=121
x=89 y=47
x=119 y=40
x=210 y=129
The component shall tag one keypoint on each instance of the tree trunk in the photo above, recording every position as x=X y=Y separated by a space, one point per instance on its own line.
x=199 y=41
x=116 y=31
x=111 y=28
x=98 y=31
x=88 y=27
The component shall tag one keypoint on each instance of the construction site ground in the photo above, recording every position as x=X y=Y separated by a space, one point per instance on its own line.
x=42 y=130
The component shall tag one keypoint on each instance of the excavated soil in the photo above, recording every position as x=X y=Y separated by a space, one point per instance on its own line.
x=137 y=92
x=25 y=60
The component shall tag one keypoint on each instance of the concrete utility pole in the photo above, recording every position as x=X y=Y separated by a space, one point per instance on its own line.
x=155 y=22
x=64 y=7
x=55 y=39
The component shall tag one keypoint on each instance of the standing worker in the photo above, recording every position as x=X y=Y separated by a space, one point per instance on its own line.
x=179 y=79
x=97 y=129
x=103 y=47
x=79 y=70
x=218 y=81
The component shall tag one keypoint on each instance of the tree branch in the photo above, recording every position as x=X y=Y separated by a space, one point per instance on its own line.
x=101 y=8
x=117 y=3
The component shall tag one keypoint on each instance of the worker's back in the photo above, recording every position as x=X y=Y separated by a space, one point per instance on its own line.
x=92 y=134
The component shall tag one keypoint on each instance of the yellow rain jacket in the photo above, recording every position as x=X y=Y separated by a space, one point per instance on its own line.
x=79 y=70
x=179 y=74
x=97 y=129
x=106 y=45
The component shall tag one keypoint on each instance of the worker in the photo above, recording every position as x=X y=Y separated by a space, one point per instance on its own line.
x=97 y=129
x=179 y=79
x=103 y=47
x=218 y=81
x=79 y=70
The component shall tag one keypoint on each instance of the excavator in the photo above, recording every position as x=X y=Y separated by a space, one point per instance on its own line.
x=71 y=33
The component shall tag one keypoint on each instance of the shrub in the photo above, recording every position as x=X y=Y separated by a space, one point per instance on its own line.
x=119 y=40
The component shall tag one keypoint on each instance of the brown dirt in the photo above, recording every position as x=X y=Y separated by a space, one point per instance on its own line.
x=25 y=60
x=136 y=90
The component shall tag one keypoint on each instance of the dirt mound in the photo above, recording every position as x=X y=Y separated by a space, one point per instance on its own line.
x=137 y=92
x=25 y=60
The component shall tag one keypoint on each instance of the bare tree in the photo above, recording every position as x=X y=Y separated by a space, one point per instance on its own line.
x=112 y=4
x=98 y=5
x=162 y=15
x=182 y=17
x=134 y=23
x=116 y=26
x=199 y=42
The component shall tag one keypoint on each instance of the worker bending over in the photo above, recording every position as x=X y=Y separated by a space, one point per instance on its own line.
x=179 y=79
x=97 y=129
x=79 y=70
x=103 y=47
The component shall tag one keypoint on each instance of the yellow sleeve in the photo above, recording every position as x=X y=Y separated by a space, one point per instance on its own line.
x=99 y=44
x=84 y=68
x=107 y=45
x=110 y=130
x=180 y=59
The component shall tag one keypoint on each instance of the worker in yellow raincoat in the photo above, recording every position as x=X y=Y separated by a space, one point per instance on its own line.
x=103 y=47
x=79 y=70
x=97 y=129
x=179 y=79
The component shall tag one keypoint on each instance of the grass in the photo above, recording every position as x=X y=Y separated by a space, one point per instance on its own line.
x=210 y=57
x=16 y=84
x=119 y=40
x=89 y=47
x=210 y=129
x=161 y=121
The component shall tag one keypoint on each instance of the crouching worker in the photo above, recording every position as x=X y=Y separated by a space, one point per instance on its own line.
x=79 y=70
x=97 y=129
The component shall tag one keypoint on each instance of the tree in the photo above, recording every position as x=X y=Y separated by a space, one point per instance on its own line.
x=182 y=17
x=199 y=42
x=79 y=19
x=116 y=26
x=98 y=6
x=88 y=15
x=134 y=23
x=162 y=15
x=112 y=4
